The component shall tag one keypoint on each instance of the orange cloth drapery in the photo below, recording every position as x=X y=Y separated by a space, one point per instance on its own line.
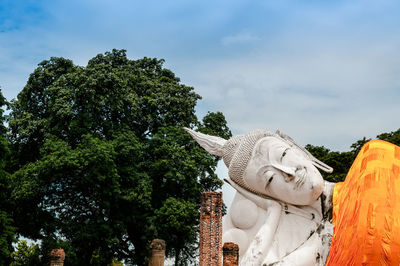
x=366 y=209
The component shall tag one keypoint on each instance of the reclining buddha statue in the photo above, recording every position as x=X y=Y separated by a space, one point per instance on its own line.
x=285 y=213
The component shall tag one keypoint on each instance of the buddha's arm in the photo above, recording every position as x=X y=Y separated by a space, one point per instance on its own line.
x=307 y=254
x=262 y=242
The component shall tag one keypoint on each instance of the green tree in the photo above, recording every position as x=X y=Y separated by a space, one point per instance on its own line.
x=6 y=237
x=25 y=255
x=339 y=161
x=392 y=137
x=342 y=161
x=7 y=229
x=99 y=158
x=356 y=146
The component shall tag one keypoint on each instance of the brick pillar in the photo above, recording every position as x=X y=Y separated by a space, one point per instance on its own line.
x=231 y=254
x=57 y=257
x=157 y=252
x=211 y=229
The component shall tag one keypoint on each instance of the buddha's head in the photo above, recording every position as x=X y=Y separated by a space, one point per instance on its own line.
x=269 y=164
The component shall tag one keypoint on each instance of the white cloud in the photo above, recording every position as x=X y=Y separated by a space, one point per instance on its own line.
x=240 y=38
x=330 y=95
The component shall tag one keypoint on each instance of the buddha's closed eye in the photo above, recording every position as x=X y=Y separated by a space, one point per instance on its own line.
x=284 y=153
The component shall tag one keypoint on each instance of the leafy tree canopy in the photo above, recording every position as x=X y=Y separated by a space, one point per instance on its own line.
x=25 y=255
x=342 y=161
x=99 y=158
x=7 y=229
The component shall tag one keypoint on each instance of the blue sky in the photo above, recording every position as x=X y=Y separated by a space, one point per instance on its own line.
x=324 y=72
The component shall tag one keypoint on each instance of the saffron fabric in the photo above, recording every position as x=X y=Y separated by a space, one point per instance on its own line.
x=366 y=209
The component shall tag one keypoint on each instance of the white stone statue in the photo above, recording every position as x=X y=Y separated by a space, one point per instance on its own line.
x=280 y=214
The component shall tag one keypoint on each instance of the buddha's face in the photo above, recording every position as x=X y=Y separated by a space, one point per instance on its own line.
x=282 y=172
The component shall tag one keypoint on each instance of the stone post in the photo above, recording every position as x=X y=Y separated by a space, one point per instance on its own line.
x=157 y=252
x=231 y=254
x=211 y=229
x=57 y=257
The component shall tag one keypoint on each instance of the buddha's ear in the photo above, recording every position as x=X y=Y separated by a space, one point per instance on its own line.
x=212 y=144
x=317 y=163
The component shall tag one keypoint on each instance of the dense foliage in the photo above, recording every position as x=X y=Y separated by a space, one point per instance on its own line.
x=100 y=160
x=25 y=255
x=342 y=161
x=7 y=230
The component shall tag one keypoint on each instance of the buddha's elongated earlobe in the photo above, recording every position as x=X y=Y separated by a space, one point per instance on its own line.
x=212 y=144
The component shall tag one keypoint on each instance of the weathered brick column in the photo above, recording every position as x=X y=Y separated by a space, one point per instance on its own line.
x=57 y=257
x=231 y=254
x=211 y=229
x=157 y=252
